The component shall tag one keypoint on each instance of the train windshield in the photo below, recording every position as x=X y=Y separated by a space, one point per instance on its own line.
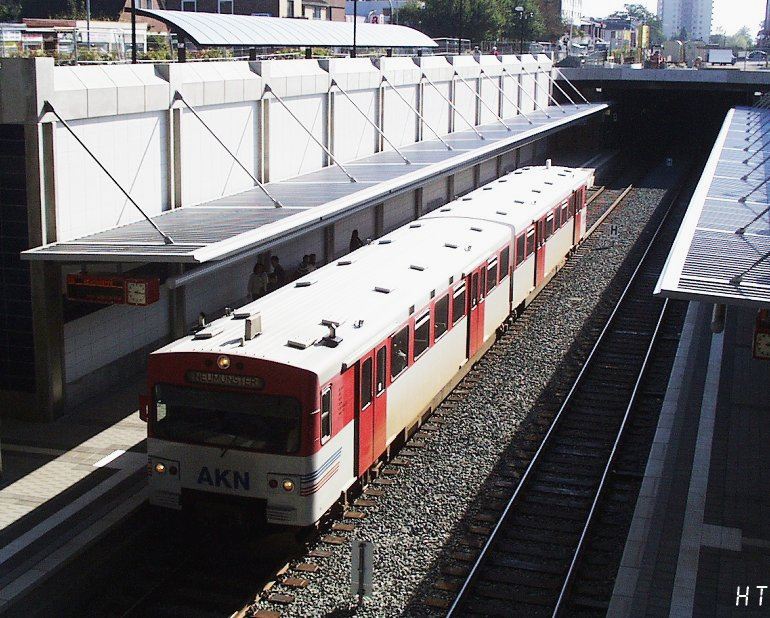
x=264 y=423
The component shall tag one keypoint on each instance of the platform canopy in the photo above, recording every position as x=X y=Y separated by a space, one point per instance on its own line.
x=248 y=221
x=226 y=30
x=722 y=250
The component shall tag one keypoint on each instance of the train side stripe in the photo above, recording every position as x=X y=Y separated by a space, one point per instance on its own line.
x=312 y=476
x=307 y=491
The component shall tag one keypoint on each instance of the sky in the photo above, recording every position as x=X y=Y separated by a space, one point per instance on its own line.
x=751 y=12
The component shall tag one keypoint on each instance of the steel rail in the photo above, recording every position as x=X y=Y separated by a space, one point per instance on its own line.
x=49 y=108
x=568 y=580
x=310 y=133
x=535 y=462
x=609 y=210
x=179 y=97
x=597 y=193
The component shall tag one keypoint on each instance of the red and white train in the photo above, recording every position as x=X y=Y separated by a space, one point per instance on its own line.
x=290 y=400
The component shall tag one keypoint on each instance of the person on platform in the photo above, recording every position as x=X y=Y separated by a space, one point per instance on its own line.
x=272 y=283
x=258 y=281
x=304 y=267
x=355 y=241
x=311 y=266
x=278 y=270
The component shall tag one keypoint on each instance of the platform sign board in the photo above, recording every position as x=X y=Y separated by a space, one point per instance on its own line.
x=112 y=289
x=361 y=569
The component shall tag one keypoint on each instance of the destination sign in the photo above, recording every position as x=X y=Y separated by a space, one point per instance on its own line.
x=224 y=379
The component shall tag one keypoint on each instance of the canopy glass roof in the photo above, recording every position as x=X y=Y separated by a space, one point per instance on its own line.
x=722 y=251
x=221 y=29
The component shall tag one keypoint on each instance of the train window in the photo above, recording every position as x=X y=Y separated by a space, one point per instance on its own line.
x=564 y=212
x=326 y=414
x=491 y=275
x=441 y=317
x=556 y=218
x=549 y=226
x=504 y=262
x=381 y=358
x=399 y=351
x=261 y=423
x=421 y=334
x=521 y=249
x=530 y=243
x=458 y=304
x=474 y=289
x=366 y=383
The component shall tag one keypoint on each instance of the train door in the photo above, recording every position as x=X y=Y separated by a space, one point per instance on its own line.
x=539 y=251
x=364 y=419
x=476 y=310
x=577 y=212
x=380 y=402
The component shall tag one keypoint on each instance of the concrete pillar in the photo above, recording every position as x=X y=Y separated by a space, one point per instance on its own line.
x=328 y=243
x=175 y=177
x=477 y=85
x=476 y=176
x=420 y=106
x=379 y=220
x=379 y=115
x=263 y=143
x=450 y=181
x=419 y=205
x=177 y=305
x=329 y=128
x=45 y=277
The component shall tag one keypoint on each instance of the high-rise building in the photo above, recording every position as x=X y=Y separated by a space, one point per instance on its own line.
x=692 y=16
x=572 y=11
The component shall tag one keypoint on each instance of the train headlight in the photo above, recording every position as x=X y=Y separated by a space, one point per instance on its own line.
x=160 y=468
x=223 y=362
x=288 y=485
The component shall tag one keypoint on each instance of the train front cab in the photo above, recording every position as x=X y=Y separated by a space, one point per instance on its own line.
x=243 y=432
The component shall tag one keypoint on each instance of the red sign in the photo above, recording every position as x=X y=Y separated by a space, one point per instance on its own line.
x=110 y=289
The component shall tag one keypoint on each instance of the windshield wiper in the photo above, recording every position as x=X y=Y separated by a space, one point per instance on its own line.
x=229 y=446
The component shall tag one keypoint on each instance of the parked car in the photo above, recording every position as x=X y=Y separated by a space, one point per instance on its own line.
x=757 y=55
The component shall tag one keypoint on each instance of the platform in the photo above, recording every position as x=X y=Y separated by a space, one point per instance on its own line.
x=65 y=484
x=701 y=528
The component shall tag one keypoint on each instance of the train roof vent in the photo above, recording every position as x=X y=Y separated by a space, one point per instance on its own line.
x=562 y=174
x=445 y=210
x=476 y=229
x=417 y=267
x=503 y=180
x=518 y=201
x=305 y=283
x=242 y=314
x=207 y=333
x=518 y=172
x=412 y=225
x=450 y=245
x=383 y=289
x=346 y=262
x=466 y=199
x=302 y=342
x=536 y=191
x=487 y=188
x=501 y=212
x=385 y=241
x=549 y=182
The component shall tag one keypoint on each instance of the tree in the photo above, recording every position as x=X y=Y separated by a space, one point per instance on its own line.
x=641 y=14
x=10 y=11
x=478 y=20
x=740 y=40
x=534 y=27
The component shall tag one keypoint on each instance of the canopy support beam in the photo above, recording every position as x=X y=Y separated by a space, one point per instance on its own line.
x=416 y=111
x=178 y=97
x=452 y=105
x=483 y=102
x=49 y=108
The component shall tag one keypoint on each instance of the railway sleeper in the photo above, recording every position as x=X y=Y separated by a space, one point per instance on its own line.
x=506 y=561
x=512 y=593
x=562 y=490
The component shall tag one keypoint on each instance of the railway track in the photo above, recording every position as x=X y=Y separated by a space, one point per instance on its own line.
x=554 y=548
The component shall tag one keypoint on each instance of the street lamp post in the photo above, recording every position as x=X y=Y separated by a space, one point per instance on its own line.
x=523 y=16
x=355 y=22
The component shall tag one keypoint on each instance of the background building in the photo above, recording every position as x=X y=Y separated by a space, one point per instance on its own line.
x=572 y=11
x=694 y=16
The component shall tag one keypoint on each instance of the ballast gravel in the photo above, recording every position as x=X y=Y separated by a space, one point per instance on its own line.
x=418 y=520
